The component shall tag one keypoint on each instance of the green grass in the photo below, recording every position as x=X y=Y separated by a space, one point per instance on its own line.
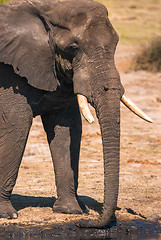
x=135 y=21
x=3 y=1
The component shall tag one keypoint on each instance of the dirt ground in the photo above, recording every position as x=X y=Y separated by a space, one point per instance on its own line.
x=140 y=167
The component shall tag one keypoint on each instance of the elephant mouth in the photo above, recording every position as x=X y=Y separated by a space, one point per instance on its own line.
x=64 y=68
x=84 y=108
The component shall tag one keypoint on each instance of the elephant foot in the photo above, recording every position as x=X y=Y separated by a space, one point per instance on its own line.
x=7 y=210
x=71 y=207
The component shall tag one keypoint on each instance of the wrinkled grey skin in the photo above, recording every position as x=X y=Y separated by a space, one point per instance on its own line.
x=49 y=52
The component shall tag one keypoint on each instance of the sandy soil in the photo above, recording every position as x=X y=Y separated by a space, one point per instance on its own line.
x=140 y=167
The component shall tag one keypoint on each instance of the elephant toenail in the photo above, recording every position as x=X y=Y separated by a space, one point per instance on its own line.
x=15 y=215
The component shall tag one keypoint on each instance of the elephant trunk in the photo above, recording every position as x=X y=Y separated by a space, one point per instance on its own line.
x=109 y=120
x=108 y=112
x=106 y=98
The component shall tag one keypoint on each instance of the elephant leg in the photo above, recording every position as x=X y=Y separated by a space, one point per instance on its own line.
x=15 y=122
x=64 y=130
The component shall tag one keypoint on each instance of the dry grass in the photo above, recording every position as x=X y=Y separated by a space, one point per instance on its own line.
x=135 y=21
x=149 y=58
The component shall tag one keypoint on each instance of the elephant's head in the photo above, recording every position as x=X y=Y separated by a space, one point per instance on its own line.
x=72 y=42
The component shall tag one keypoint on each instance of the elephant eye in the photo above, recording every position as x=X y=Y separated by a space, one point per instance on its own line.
x=72 y=49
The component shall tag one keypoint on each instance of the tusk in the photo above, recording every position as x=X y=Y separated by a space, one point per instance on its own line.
x=128 y=103
x=84 y=108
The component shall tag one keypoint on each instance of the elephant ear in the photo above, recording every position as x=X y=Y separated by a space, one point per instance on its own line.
x=24 y=44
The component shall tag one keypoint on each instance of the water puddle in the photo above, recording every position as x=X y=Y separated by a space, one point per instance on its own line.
x=136 y=230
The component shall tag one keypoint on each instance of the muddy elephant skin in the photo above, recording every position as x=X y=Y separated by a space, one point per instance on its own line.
x=50 y=51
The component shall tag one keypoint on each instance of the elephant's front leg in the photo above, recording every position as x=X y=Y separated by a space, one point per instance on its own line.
x=15 y=122
x=64 y=135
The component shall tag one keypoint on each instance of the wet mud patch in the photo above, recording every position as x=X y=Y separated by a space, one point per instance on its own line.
x=138 y=229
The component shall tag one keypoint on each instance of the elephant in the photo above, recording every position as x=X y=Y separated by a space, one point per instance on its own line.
x=56 y=57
